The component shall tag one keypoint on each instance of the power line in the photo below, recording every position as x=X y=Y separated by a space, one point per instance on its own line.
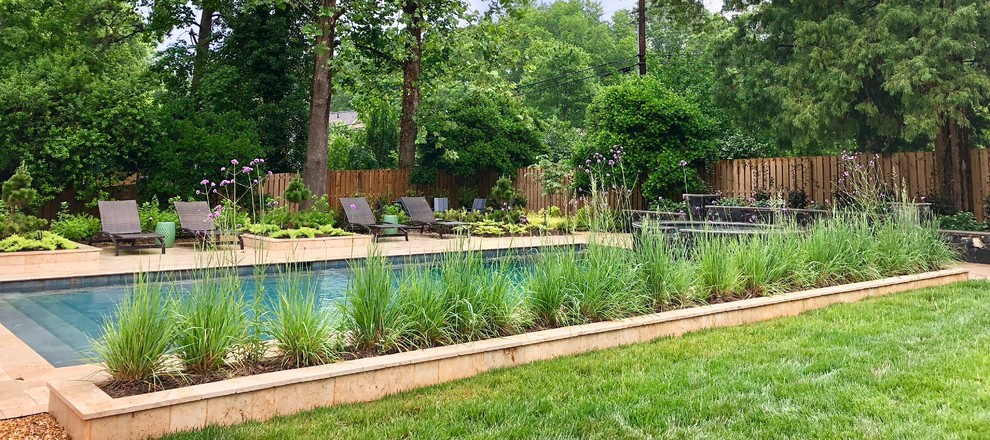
x=575 y=72
x=606 y=74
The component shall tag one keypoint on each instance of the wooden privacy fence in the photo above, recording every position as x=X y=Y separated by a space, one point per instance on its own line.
x=394 y=183
x=818 y=176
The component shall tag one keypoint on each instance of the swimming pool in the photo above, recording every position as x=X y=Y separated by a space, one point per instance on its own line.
x=60 y=324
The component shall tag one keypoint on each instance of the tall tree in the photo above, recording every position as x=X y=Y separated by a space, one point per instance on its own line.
x=886 y=76
x=315 y=169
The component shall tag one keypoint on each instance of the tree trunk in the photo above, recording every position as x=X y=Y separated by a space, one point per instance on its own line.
x=412 y=67
x=202 y=45
x=953 y=171
x=315 y=168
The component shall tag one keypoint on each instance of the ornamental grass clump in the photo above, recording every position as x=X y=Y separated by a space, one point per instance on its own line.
x=429 y=316
x=664 y=270
x=211 y=321
x=548 y=288
x=137 y=336
x=370 y=309
x=303 y=331
x=840 y=250
x=767 y=264
x=607 y=286
x=482 y=298
x=717 y=273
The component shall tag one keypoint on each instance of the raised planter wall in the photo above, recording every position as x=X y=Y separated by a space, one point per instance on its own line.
x=88 y=413
x=82 y=256
x=300 y=244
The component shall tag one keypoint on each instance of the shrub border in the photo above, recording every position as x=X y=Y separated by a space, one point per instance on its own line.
x=88 y=413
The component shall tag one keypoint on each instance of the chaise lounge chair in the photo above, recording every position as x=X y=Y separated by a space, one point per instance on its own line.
x=121 y=222
x=360 y=217
x=479 y=205
x=194 y=220
x=421 y=215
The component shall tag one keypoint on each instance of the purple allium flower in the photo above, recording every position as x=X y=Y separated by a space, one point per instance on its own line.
x=234 y=162
x=222 y=169
x=269 y=173
x=198 y=192
x=611 y=163
x=255 y=181
x=212 y=184
x=353 y=206
x=275 y=202
x=214 y=191
x=587 y=161
x=683 y=163
x=922 y=198
x=205 y=182
x=247 y=170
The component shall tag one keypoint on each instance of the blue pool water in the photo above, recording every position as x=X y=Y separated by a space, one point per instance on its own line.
x=61 y=325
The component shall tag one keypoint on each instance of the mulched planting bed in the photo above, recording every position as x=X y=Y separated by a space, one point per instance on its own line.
x=120 y=389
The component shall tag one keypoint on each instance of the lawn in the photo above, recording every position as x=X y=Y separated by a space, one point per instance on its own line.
x=912 y=365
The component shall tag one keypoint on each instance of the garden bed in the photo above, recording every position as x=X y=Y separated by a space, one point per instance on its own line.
x=82 y=255
x=301 y=244
x=88 y=413
x=974 y=246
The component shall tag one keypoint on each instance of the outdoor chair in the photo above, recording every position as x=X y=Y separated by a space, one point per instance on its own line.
x=194 y=220
x=421 y=215
x=360 y=217
x=121 y=223
x=479 y=205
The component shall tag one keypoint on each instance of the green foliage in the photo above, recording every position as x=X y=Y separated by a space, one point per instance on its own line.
x=963 y=221
x=75 y=104
x=210 y=321
x=75 y=227
x=294 y=233
x=717 y=273
x=468 y=128
x=883 y=77
x=370 y=309
x=481 y=296
x=504 y=194
x=262 y=228
x=49 y=241
x=657 y=129
x=297 y=191
x=664 y=270
x=302 y=330
x=18 y=196
x=137 y=337
x=151 y=213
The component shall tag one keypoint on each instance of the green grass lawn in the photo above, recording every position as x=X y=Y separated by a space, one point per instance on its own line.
x=912 y=365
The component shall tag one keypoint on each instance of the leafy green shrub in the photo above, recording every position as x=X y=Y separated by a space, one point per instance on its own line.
x=316 y=217
x=505 y=195
x=963 y=221
x=657 y=129
x=48 y=242
x=18 y=196
x=297 y=191
x=279 y=216
x=151 y=213
x=138 y=335
x=75 y=227
x=330 y=231
x=302 y=331
x=263 y=229
x=294 y=233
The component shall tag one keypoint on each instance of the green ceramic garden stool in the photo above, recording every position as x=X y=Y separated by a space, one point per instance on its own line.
x=168 y=230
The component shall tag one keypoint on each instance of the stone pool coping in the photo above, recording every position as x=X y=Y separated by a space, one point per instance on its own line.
x=88 y=413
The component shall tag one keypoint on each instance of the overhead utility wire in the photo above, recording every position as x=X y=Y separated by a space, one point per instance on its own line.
x=576 y=72
x=625 y=69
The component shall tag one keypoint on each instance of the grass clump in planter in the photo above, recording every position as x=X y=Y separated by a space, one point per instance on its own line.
x=370 y=308
x=429 y=315
x=664 y=271
x=138 y=336
x=481 y=298
x=301 y=329
x=211 y=321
